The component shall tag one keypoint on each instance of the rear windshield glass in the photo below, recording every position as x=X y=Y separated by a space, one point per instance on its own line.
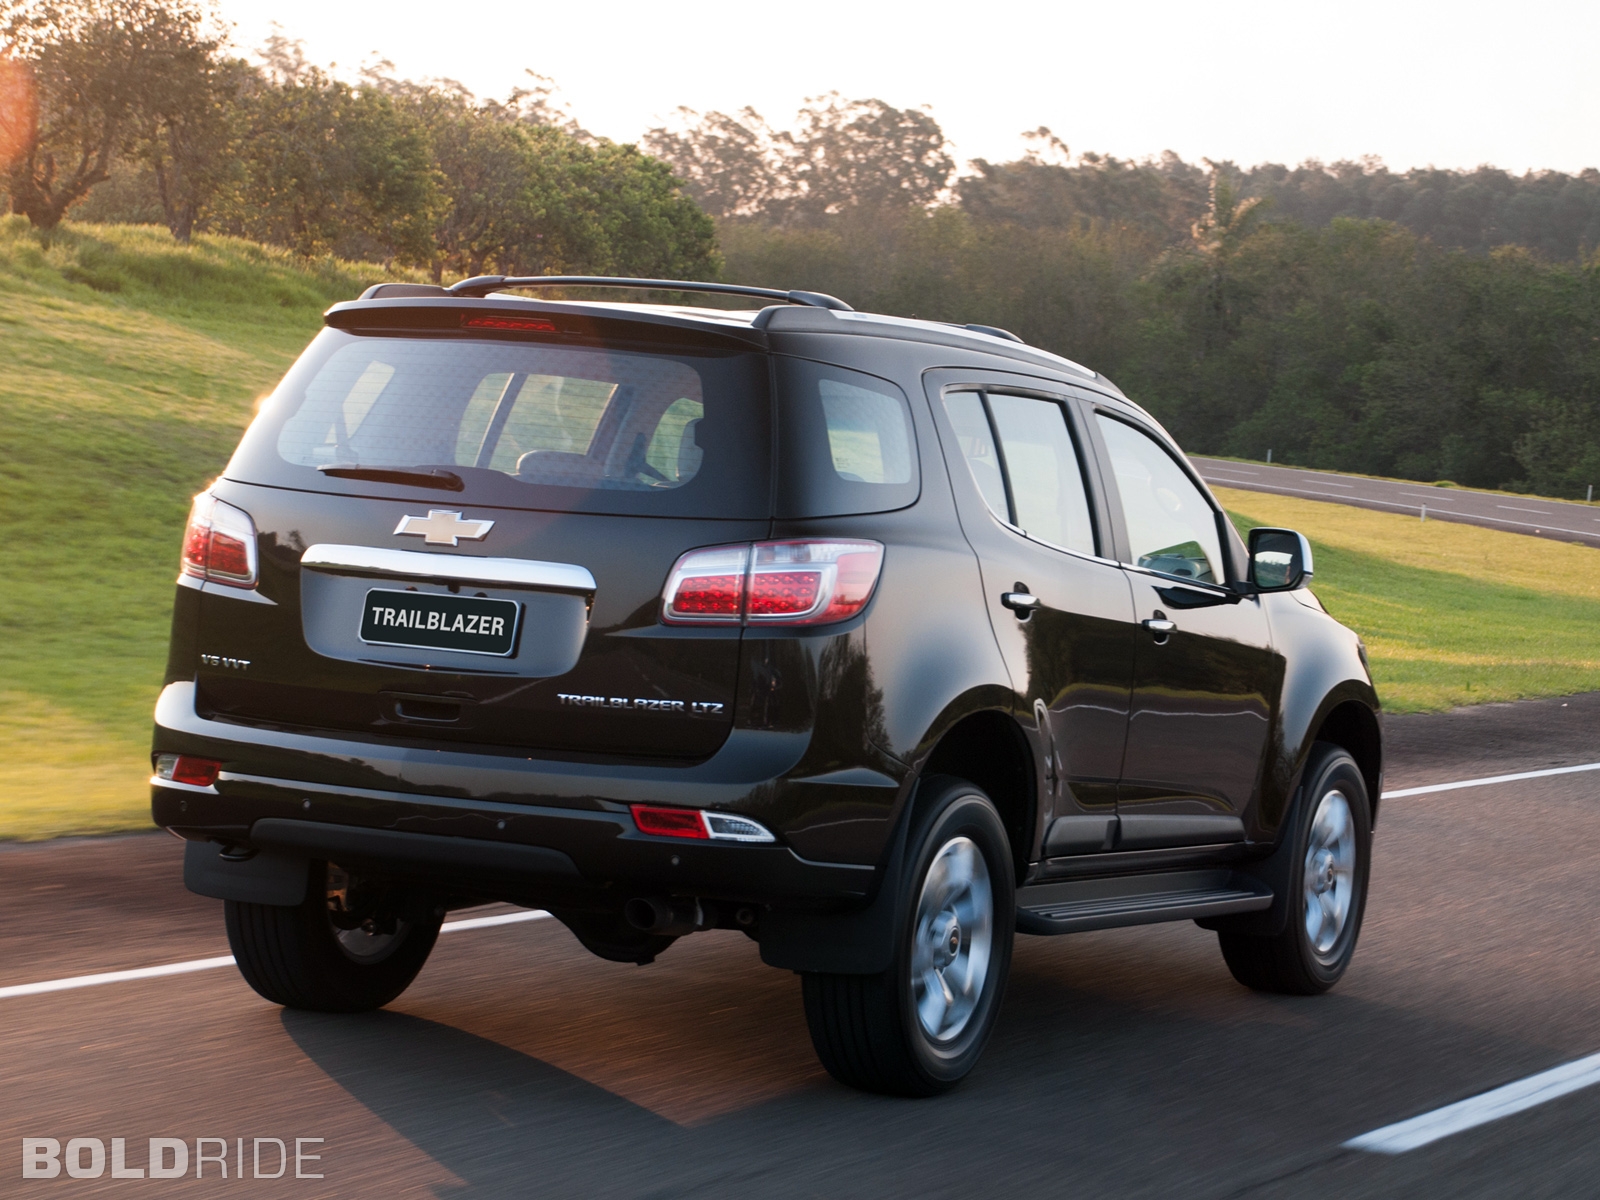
x=845 y=442
x=522 y=423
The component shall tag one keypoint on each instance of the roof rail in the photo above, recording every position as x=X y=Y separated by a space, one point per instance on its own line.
x=482 y=285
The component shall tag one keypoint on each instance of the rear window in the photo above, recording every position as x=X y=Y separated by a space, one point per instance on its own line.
x=523 y=423
x=846 y=442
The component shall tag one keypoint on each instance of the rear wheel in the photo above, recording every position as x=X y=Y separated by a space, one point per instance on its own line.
x=919 y=1027
x=352 y=945
x=1327 y=887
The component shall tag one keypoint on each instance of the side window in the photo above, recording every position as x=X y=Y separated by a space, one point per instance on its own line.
x=1032 y=478
x=845 y=442
x=1047 y=489
x=869 y=437
x=976 y=440
x=1171 y=528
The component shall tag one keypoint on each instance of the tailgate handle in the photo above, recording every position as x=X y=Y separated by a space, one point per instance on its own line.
x=424 y=710
x=454 y=568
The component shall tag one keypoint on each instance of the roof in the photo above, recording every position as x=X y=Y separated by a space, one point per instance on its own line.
x=799 y=312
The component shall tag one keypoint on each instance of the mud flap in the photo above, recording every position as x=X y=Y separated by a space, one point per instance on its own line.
x=265 y=877
x=860 y=942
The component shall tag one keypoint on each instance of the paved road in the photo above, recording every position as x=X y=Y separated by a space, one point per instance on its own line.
x=1126 y=1063
x=1561 y=520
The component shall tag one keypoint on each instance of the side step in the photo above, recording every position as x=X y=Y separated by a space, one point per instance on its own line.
x=1075 y=905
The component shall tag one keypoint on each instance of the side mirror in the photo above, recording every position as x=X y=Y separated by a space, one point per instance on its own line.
x=1280 y=560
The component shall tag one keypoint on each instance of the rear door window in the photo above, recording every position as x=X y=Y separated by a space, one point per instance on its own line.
x=529 y=424
x=845 y=442
x=1025 y=462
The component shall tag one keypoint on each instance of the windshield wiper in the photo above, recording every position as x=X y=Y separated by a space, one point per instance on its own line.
x=447 y=481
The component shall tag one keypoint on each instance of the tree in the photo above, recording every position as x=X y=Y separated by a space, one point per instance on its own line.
x=528 y=191
x=328 y=168
x=841 y=155
x=190 y=134
x=95 y=69
x=732 y=166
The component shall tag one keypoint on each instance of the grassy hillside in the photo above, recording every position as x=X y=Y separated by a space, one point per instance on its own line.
x=128 y=367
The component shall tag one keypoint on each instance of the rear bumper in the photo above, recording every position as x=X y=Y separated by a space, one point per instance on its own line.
x=324 y=798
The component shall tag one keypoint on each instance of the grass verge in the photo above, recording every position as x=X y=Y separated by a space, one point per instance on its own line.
x=1451 y=614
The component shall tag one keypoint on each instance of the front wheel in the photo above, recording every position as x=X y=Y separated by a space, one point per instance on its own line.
x=1327 y=886
x=351 y=946
x=919 y=1027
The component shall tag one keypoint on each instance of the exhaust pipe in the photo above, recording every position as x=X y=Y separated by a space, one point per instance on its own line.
x=670 y=918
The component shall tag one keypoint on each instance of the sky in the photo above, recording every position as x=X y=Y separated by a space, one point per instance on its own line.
x=1416 y=84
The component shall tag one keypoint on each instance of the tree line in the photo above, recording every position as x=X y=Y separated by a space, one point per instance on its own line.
x=119 y=109
x=1428 y=324
x=1348 y=317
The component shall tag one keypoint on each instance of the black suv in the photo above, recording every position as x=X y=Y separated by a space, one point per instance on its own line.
x=876 y=639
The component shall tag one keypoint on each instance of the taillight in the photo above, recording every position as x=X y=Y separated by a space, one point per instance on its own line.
x=797 y=582
x=220 y=543
x=707 y=587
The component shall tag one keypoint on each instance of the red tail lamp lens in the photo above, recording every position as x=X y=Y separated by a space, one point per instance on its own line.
x=512 y=324
x=709 y=596
x=229 y=557
x=670 y=822
x=185 y=768
x=805 y=582
x=706 y=587
x=784 y=593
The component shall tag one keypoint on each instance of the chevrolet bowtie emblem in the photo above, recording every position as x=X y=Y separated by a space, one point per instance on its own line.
x=440 y=528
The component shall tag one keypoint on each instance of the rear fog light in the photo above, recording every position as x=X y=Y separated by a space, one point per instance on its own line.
x=698 y=824
x=185 y=768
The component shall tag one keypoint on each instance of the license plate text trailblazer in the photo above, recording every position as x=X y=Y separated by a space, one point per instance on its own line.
x=470 y=624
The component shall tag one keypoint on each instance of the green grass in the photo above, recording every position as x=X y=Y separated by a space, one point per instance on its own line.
x=128 y=368
x=1451 y=614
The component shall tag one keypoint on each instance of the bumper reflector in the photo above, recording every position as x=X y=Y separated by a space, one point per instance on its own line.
x=185 y=768
x=699 y=824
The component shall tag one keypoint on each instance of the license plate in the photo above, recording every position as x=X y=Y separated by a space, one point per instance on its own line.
x=436 y=621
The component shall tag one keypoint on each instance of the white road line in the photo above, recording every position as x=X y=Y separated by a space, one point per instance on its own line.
x=1480 y=1110
x=1465 y=518
x=225 y=960
x=82 y=981
x=1543 y=512
x=512 y=918
x=1429 y=498
x=1488 y=779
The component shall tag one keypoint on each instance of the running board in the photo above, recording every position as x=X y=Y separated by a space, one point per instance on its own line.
x=1073 y=906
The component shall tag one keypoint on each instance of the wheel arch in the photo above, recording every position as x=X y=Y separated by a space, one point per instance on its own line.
x=990 y=750
x=1353 y=726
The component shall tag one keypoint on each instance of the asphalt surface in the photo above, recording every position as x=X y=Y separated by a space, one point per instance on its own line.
x=1561 y=520
x=1126 y=1063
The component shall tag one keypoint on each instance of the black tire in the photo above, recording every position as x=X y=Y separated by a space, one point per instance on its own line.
x=866 y=1028
x=297 y=957
x=1290 y=962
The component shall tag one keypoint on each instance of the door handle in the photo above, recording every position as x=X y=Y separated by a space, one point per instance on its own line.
x=1159 y=626
x=1022 y=602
